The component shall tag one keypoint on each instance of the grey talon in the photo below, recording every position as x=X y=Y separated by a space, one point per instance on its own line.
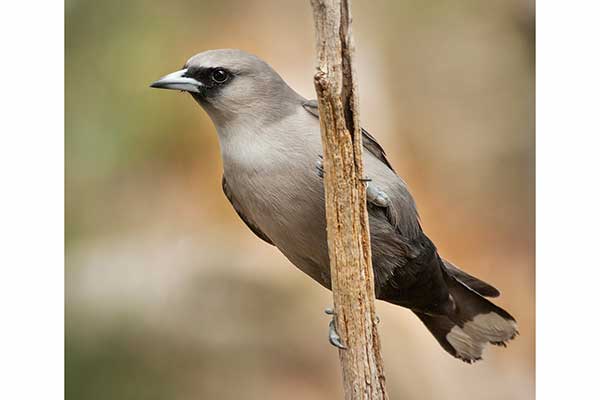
x=382 y=200
x=377 y=197
x=320 y=169
x=334 y=337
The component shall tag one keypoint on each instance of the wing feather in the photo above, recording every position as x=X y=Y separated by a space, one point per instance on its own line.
x=369 y=141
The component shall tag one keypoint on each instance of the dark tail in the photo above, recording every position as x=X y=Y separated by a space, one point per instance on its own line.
x=474 y=323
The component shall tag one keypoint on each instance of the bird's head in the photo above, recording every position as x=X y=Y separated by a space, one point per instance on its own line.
x=231 y=85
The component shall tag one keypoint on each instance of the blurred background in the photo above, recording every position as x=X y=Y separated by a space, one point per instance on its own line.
x=170 y=296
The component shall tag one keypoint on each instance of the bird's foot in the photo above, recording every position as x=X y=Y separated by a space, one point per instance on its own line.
x=374 y=195
x=377 y=197
x=334 y=337
x=320 y=168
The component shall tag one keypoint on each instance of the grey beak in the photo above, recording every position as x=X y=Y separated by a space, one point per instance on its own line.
x=177 y=81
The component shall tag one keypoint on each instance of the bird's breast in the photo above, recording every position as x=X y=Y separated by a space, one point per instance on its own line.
x=283 y=195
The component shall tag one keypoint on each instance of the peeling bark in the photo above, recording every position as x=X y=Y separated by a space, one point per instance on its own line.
x=346 y=208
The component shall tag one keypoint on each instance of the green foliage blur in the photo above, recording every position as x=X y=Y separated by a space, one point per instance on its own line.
x=168 y=295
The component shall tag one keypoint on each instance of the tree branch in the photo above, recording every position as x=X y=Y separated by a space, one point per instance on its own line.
x=345 y=196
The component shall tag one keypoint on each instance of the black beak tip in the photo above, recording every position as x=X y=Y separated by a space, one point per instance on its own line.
x=155 y=85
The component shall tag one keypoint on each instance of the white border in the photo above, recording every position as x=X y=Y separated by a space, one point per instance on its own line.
x=568 y=172
x=32 y=200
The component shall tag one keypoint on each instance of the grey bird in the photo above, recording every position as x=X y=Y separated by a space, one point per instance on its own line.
x=270 y=144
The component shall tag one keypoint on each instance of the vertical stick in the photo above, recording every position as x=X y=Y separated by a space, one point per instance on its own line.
x=345 y=196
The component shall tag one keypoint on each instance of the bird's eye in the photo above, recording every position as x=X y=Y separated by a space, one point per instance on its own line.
x=219 y=75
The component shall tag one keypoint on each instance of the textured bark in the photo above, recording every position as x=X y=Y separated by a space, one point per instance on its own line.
x=345 y=196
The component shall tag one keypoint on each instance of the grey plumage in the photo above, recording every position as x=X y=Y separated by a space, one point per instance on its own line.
x=270 y=142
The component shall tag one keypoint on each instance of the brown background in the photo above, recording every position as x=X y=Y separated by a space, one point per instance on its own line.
x=170 y=296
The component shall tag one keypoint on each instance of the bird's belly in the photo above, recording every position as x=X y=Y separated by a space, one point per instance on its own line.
x=289 y=207
x=301 y=235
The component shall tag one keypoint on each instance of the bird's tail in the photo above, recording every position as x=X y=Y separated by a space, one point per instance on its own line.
x=472 y=324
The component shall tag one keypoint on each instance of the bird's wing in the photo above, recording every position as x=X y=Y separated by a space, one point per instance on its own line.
x=481 y=287
x=369 y=141
x=238 y=209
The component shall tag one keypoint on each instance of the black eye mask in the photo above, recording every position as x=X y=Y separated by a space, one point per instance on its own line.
x=211 y=78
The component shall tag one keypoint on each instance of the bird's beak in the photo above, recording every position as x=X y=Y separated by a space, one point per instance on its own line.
x=178 y=81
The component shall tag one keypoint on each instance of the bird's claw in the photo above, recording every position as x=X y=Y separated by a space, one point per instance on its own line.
x=377 y=197
x=334 y=337
x=374 y=195
x=320 y=168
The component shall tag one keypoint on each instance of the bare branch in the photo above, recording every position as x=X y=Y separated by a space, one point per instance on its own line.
x=345 y=196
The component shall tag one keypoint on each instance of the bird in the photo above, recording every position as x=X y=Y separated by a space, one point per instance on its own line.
x=270 y=143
